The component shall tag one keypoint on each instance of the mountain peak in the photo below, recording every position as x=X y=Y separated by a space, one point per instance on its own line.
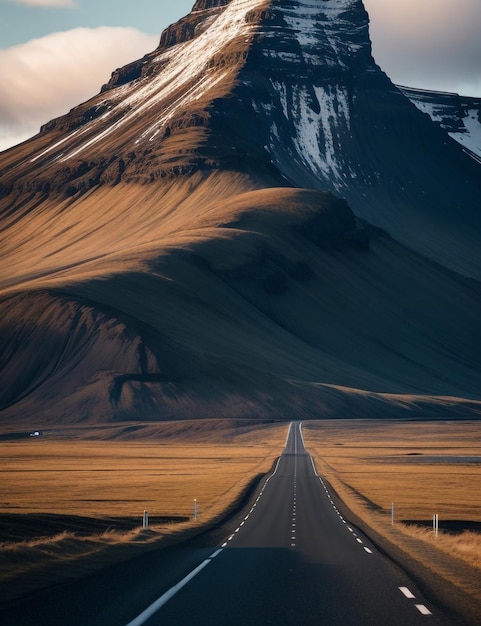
x=199 y=58
x=286 y=87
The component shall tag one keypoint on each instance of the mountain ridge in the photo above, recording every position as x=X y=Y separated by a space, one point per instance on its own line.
x=459 y=116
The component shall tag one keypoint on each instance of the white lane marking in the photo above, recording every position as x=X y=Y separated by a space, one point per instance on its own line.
x=224 y=544
x=314 y=470
x=159 y=603
x=329 y=495
x=302 y=436
x=423 y=610
x=407 y=592
x=259 y=496
x=216 y=553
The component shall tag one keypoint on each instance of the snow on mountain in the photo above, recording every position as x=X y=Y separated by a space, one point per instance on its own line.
x=459 y=115
x=320 y=37
x=187 y=69
x=312 y=97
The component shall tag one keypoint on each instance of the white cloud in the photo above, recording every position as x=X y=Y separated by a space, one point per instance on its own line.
x=46 y=3
x=46 y=77
x=433 y=44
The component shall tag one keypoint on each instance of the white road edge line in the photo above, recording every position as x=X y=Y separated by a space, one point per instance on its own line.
x=216 y=553
x=302 y=434
x=288 y=433
x=159 y=603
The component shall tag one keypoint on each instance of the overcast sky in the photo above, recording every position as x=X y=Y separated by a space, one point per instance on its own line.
x=55 y=54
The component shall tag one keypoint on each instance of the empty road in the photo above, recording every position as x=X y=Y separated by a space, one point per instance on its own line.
x=292 y=559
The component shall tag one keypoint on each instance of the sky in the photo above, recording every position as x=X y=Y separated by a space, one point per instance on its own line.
x=55 y=54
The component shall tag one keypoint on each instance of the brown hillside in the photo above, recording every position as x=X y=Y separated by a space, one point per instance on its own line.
x=269 y=302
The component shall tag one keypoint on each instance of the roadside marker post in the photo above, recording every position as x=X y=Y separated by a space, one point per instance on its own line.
x=145 y=520
x=436 y=524
x=392 y=514
x=195 y=508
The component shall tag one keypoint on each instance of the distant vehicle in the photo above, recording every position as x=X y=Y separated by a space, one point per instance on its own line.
x=36 y=433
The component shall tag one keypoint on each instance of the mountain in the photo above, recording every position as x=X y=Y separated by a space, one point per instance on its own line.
x=250 y=221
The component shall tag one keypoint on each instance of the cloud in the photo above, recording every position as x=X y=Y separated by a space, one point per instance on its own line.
x=46 y=77
x=432 y=44
x=46 y=3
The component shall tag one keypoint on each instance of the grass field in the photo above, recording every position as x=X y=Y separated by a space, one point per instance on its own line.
x=424 y=468
x=65 y=479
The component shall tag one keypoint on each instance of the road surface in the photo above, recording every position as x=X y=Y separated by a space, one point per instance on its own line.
x=292 y=559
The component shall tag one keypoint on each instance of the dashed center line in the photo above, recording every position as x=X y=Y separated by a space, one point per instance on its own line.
x=409 y=594
x=142 y=618
x=423 y=610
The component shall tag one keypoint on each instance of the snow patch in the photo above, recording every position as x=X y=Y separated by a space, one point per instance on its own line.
x=317 y=134
x=471 y=137
x=447 y=110
x=311 y=20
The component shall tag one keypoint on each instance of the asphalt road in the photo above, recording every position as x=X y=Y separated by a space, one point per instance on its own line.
x=292 y=559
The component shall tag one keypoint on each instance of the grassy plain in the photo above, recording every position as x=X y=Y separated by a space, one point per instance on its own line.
x=424 y=468
x=116 y=474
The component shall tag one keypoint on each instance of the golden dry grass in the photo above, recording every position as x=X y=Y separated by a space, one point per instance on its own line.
x=109 y=231
x=425 y=468
x=415 y=465
x=124 y=478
